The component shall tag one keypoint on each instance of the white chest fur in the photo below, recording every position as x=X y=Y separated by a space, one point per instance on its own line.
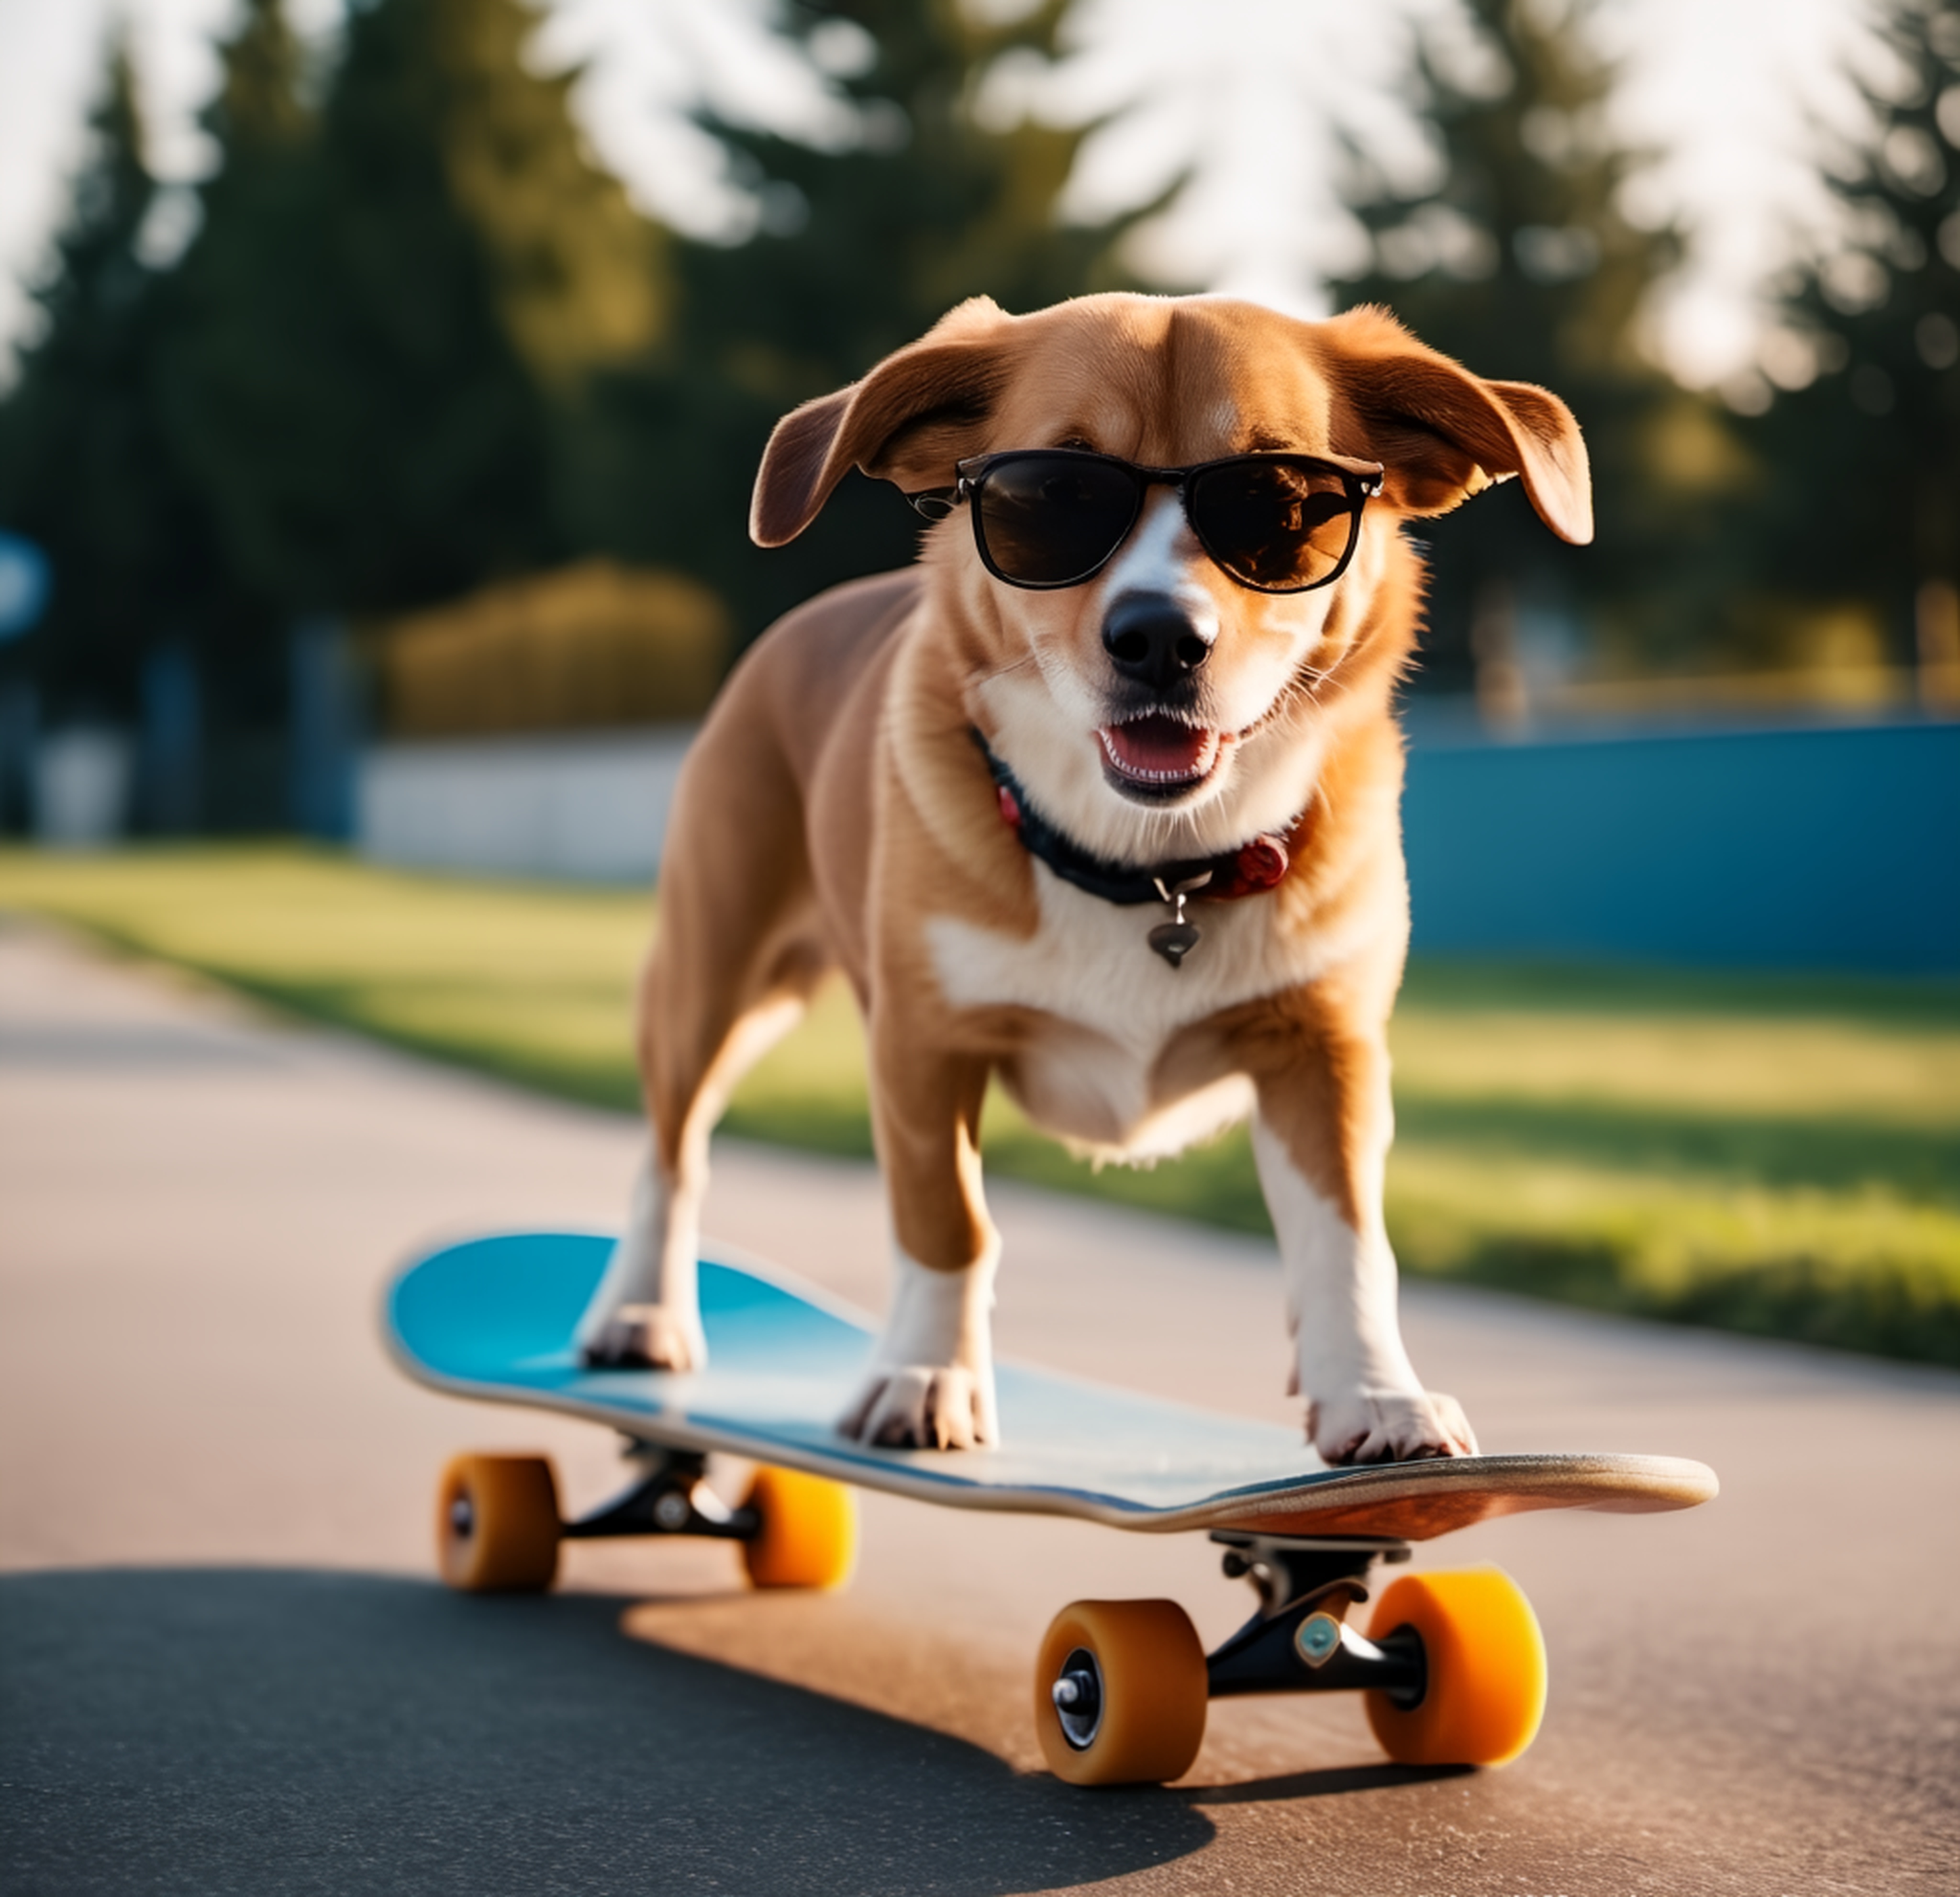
x=1094 y=1075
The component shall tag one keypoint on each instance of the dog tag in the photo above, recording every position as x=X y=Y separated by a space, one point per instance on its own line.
x=1174 y=940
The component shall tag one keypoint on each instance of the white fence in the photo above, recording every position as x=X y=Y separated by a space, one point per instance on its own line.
x=592 y=807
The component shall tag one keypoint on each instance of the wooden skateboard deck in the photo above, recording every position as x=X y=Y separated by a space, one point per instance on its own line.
x=493 y=1318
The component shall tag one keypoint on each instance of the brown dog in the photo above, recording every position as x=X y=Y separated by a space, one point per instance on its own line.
x=1101 y=798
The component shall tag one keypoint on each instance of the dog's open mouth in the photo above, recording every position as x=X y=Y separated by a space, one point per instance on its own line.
x=1159 y=754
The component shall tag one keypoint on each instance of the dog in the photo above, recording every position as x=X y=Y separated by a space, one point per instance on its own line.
x=1101 y=798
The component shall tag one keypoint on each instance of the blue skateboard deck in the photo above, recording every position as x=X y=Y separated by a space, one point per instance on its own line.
x=492 y=1319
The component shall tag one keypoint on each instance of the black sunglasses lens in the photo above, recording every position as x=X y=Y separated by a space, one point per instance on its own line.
x=1048 y=520
x=1282 y=526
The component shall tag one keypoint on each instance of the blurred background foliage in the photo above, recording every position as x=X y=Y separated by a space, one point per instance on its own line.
x=588 y=646
x=409 y=363
x=418 y=344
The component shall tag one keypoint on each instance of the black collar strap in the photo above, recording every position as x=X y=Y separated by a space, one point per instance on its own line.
x=1251 y=869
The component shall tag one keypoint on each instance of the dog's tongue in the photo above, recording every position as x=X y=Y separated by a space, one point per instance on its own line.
x=1160 y=750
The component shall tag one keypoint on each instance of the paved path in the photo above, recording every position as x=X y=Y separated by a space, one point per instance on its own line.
x=227 y=1670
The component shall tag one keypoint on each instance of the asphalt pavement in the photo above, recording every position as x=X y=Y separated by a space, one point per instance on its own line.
x=225 y=1665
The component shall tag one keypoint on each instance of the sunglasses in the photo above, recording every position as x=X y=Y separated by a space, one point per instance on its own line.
x=1050 y=517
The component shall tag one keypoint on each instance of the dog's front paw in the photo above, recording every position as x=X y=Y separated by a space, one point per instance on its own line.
x=924 y=1406
x=1388 y=1426
x=647 y=1337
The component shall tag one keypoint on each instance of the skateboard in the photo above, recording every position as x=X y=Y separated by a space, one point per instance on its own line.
x=1452 y=1666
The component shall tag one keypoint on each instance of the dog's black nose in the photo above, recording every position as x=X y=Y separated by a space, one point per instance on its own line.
x=1150 y=638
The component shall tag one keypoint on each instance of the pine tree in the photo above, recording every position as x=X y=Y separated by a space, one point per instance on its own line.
x=1521 y=264
x=861 y=250
x=393 y=307
x=85 y=470
x=864 y=249
x=228 y=354
x=1868 y=499
x=579 y=274
x=260 y=110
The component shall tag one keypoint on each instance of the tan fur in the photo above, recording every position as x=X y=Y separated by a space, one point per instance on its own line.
x=837 y=813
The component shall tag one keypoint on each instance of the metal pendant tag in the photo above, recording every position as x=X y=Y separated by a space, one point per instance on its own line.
x=1175 y=939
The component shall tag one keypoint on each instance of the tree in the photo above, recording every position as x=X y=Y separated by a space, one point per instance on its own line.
x=389 y=310
x=85 y=469
x=227 y=352
x=579 y=274
x=1867 y=504
x=860 y=248
x=1521 y=263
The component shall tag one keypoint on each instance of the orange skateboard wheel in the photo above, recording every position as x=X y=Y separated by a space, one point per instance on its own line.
x=1121 y=1693
x=497 y=1524
x=809 y=1535
x=1485 y=1663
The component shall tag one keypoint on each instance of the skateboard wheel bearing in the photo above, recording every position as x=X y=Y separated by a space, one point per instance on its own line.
x=1121 y=1693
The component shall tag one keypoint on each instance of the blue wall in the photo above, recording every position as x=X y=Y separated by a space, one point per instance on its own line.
x=1823 y=848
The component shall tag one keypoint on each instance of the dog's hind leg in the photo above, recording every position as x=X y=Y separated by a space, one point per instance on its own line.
x=647 y=1311
x=737 y=954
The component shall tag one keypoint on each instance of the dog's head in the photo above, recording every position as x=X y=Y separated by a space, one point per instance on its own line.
x=1161 y=703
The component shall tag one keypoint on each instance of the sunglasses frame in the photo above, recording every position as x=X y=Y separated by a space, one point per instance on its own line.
x=1360 y=480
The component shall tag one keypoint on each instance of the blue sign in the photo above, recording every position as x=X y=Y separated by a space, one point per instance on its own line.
x=23 y=584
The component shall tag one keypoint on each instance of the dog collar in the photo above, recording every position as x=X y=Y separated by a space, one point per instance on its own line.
x=1251 y=869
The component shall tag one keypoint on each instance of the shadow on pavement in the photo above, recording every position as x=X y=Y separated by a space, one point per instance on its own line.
x=1321 y=1783
x=266 y=1731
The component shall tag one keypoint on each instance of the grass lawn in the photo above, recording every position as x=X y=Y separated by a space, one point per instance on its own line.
x=1775 y=1154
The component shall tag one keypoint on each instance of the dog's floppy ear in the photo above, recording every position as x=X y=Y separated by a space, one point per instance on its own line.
x=1443 y=433
x=907 y=422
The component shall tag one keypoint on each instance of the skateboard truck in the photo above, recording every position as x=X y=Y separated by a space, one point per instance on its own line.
x=1300 y=1640
x=671 y=1497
